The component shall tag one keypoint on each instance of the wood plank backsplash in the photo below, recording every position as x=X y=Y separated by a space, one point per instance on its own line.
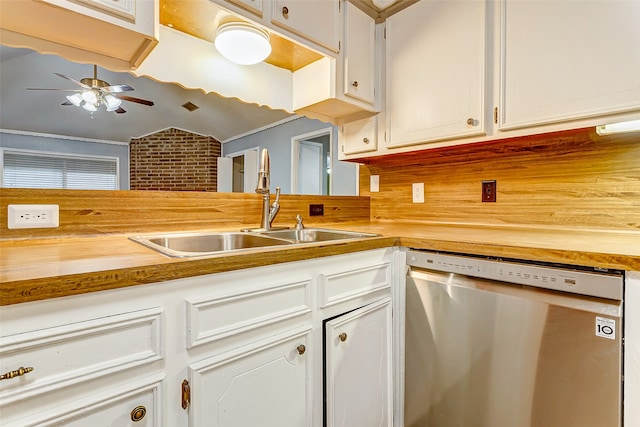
x=84 y=212
x=573 y=179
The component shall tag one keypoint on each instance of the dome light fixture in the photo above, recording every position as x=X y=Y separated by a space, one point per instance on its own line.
x=242 y=43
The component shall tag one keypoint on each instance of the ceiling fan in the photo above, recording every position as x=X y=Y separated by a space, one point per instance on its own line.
x=95 y=93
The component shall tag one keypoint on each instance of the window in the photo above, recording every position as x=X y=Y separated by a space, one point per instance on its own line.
x=29 y=169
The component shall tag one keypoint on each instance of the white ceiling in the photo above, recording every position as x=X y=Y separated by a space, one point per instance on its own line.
x=40 y=111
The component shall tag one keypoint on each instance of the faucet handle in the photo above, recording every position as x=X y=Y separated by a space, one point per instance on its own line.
x=299 y=225
x=275 y=207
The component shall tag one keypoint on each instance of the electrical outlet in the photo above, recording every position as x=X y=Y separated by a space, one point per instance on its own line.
x=489 y=191
x=316 y=210
x=418 y=192
x=32 y=216
x=374 y=184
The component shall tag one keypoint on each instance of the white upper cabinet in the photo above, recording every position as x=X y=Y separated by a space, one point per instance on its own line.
x=359 y=136
x=359 y=56
x=566 y=60
x=435 y=72
x=342 y=89
x=253 y=6
x=315 y=20
x=115 y=34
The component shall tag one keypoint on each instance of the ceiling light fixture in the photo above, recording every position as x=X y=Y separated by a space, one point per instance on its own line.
x=622 y=127
x=92 y=99
x=242 y=43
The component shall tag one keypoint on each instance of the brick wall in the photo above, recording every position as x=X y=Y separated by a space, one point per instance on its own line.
x=174 y=160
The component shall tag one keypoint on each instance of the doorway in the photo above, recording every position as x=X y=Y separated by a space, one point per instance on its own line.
x=311 y=161
x=238 y=172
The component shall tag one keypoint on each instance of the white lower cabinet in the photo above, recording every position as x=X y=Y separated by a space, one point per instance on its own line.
x=137 y=404
x=91 y=371
x=236 y=349
x=358 y=367
x=266 y=383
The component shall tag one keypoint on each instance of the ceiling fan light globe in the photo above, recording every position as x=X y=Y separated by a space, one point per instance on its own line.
x=242 y=43
x=112 y=103
x=89 y=107
x=75 y=99
x=89 y=97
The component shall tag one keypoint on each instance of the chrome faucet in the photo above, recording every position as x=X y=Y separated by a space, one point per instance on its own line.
x=269 y=212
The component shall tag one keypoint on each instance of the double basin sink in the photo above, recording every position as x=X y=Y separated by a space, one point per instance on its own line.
x=202 y=244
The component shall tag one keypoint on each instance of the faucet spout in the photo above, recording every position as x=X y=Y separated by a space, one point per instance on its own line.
x=264 y=173
x=269 y=212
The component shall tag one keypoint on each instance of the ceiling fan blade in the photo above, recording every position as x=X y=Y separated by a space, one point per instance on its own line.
x=117 y=88
x=72 y=80
x=132 y=99
x=120 y=110
x=66 y=103
x=64 y=90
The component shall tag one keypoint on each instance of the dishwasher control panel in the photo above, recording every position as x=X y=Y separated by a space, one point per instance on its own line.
x=548 y=277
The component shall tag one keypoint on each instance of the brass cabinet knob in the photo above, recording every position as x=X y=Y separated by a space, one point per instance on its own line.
x=343 y=337
x=355 y=83
x=365 y=140
x=138 y=413
x=470 y=121
x=17 y=373
x=285 y=11
x=301 y=349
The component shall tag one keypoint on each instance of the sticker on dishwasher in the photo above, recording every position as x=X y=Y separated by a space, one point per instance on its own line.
x=605 y=328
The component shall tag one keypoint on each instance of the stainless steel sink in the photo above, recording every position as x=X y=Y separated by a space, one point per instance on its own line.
x=199 y=244
x=315 y=235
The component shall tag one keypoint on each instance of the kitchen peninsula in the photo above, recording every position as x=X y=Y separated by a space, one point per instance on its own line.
x=116 y=331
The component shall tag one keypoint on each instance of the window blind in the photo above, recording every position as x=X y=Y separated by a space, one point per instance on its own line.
x=45 y=170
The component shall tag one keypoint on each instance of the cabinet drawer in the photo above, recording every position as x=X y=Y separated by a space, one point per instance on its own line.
x=137 y=404
x=75 y=353
x=343 y=286
x=220 y=316
x=360 y=136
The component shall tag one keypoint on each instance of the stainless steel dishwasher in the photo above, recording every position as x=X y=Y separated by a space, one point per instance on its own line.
x=502 y=343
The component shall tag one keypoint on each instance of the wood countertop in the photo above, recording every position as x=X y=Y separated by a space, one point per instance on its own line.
x=33 y=270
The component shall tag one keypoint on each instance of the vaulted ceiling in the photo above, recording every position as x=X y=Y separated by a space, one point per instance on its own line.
x=42 y=112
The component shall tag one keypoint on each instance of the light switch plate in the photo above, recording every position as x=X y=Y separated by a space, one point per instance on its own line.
x=374 y=184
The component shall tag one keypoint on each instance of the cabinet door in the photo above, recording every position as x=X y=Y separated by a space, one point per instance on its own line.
x=435 y=71
x=267 y=384
x=315 y=20
x=358 y=368
x=359 y=55
x=360 y=136
x=564 y=60
x=253 y=6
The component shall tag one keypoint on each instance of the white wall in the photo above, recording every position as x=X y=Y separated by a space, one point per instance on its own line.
x=277 y=140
